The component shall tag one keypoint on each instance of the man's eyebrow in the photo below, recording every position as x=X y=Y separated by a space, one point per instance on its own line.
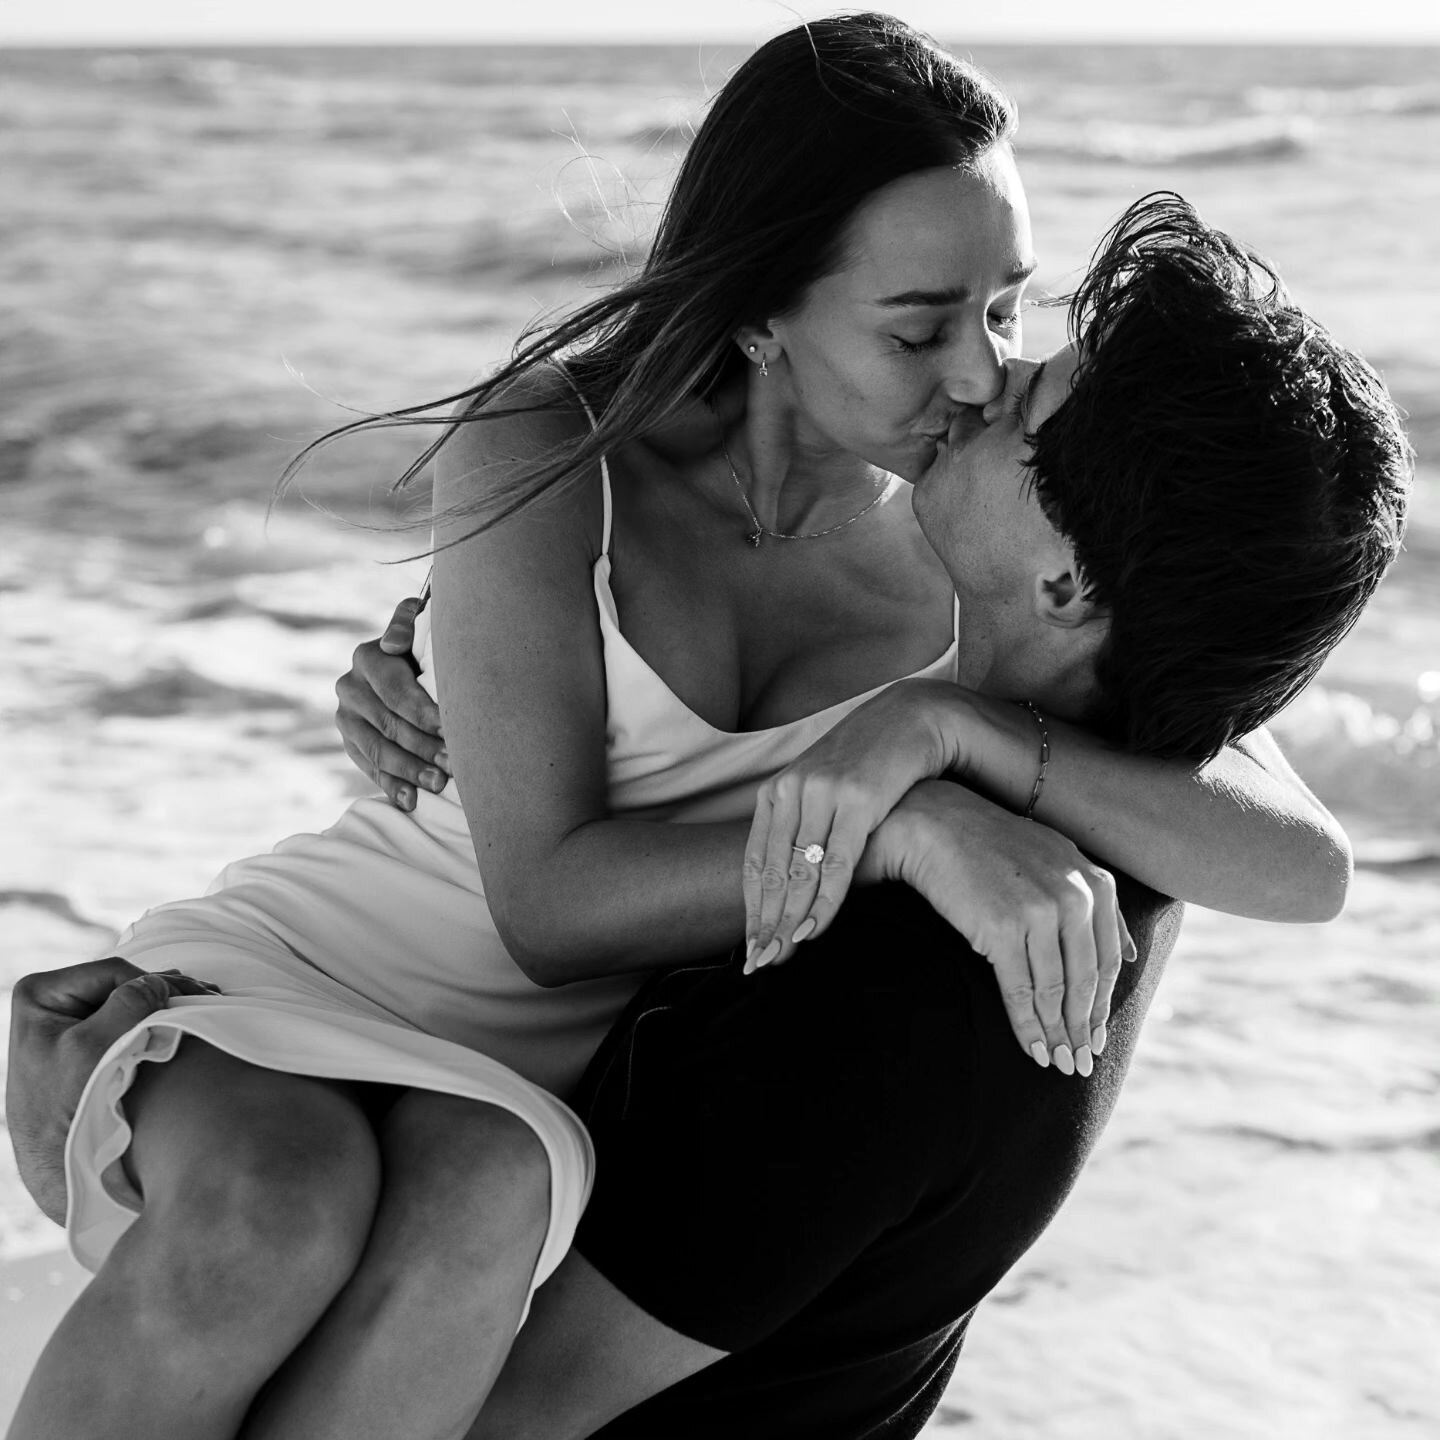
x=1028 y=393
x=951 y=295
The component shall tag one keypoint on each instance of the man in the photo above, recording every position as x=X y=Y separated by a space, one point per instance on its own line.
x=811 y=1176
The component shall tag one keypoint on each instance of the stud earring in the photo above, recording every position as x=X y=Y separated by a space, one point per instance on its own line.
x=752 y=348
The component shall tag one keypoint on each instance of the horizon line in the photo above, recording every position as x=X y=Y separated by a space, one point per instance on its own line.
x=352 y=42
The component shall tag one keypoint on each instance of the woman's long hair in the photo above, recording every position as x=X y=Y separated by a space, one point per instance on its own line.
x=813 y=123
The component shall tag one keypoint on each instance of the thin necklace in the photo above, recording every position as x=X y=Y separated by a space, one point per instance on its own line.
x=754 y=536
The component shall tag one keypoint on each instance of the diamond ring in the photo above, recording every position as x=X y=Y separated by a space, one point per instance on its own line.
x=813 y=853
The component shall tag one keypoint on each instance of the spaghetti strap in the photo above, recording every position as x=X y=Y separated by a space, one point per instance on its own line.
x=605 y=500
x=604 y=462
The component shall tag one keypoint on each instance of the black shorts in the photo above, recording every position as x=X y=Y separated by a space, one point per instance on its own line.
x=823 y=1167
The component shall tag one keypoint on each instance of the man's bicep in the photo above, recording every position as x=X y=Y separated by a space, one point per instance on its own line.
x=586 y=1354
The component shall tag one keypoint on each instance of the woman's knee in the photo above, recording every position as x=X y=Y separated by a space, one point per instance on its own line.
x=274 y=1199
x=466 y=1184
x=292 y=1189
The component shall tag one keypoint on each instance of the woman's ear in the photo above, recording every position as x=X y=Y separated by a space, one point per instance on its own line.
x=757 y=343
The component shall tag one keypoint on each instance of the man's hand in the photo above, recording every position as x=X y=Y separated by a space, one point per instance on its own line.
x=390 y=726
x=61 y=1023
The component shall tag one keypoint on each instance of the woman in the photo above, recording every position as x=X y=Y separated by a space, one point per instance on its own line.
x=345 y=1196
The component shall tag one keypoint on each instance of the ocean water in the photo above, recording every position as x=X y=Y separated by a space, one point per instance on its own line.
x=204 y=254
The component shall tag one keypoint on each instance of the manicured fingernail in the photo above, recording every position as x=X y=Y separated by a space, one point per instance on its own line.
x=1130 y=954
x=442 y=759
x=767 y=954
x=804 y=930
x=749 y=957
x=1084 y=1063
x=1040 y=1055
x=432 y=780
x=1098 y=1038
x=405 y=798
x=1064 y=1060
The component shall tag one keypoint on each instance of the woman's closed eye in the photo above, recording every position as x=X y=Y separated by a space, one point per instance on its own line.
x=918 y=347
x=1006 y=324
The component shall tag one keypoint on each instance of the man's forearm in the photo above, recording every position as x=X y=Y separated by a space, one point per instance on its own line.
x=40 y=1159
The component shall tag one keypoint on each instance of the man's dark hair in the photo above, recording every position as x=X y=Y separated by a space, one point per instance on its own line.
x=1233 y=481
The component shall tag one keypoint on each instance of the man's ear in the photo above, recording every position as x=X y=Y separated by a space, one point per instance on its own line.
x=1063 y=599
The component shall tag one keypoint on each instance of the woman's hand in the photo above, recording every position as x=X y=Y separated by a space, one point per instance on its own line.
x=390 y=726
x=830 y=799
x=1027 y=900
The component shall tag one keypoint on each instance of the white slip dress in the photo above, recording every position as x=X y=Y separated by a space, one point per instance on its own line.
x=367 y=952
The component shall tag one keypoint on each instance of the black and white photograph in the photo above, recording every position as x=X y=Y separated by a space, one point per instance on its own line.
x=720 y=720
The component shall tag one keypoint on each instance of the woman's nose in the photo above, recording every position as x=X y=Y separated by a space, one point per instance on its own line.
x=976 y=373
x=1014 y=374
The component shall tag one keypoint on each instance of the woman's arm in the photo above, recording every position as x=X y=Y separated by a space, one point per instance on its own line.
x=1026 y=899
x=1240 y=834
x=574 y=893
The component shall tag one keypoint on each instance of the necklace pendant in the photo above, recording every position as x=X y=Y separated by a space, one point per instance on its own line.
x=753 y=539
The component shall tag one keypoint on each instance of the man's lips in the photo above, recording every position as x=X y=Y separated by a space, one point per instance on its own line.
x=966 y=425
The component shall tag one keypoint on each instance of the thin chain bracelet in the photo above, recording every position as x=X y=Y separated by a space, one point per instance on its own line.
x=1029 y=812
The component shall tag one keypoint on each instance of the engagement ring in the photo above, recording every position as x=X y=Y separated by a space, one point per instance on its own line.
x=813 y=853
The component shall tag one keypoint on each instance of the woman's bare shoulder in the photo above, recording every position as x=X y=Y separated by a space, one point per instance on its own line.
x=511 y=436
x=531 y=412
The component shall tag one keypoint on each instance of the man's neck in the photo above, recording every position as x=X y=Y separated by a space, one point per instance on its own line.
x=1000 y=656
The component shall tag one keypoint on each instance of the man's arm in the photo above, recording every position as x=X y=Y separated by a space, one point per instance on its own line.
x=61 y=1023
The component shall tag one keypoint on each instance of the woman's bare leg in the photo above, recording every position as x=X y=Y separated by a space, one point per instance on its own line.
x=413 y=1343
x=259 y=1192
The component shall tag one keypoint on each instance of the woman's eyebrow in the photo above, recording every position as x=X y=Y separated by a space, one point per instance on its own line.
x=1028 y=393
x=954 y=295
x=950 y=295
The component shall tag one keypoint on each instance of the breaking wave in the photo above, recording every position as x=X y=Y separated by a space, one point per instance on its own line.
x=1251 y=138
x=1422 y=99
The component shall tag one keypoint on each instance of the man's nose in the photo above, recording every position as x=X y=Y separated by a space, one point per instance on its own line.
x=976 y=374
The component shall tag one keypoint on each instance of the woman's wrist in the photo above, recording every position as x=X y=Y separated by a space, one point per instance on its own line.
x=931 y=727
x=900 y=839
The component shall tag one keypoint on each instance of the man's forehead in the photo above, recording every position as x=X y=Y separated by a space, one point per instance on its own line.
x=1053 y=384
